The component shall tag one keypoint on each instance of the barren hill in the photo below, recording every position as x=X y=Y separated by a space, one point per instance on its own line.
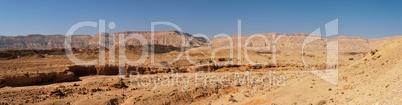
x=377 y=76
x=295 y=42
x=374 y=79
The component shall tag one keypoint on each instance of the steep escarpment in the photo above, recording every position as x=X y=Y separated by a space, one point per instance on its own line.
x=41 y=41
x=182 y=39
x=169 y=38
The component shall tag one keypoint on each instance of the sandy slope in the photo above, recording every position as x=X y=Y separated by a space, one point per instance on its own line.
x=375 y=79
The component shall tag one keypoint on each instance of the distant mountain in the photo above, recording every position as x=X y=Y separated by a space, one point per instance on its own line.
x=174 y=38
x=36 y=41
x=41 y=41
x=295 y=42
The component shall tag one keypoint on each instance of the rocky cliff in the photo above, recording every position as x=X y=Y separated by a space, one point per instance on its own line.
x=173 y=38
x=41 y=41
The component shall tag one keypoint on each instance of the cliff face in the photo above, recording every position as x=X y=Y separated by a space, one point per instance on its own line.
x=41 y=41
x=173 y=38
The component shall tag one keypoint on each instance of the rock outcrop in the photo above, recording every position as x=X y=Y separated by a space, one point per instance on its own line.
x=35 y=78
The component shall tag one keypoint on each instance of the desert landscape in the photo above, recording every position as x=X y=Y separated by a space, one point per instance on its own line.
x=35 y=70
x=103 y=52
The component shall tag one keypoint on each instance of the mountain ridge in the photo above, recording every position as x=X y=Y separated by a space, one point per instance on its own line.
x=173 y=37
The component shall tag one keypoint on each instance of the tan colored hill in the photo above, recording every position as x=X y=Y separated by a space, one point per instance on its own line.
x=286 y=42
x=374 y=79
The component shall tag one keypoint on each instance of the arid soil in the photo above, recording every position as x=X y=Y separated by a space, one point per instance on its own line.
x=369 y=73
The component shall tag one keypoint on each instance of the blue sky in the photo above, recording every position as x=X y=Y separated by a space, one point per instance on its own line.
x=370 y=19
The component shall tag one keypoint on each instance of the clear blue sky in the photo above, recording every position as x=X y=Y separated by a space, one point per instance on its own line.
x=370 y=19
